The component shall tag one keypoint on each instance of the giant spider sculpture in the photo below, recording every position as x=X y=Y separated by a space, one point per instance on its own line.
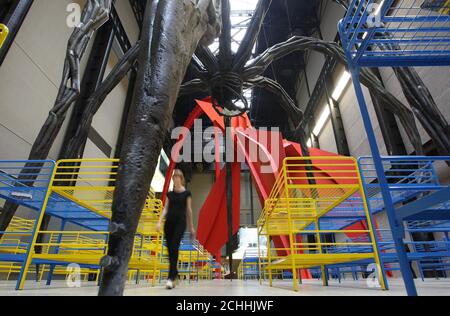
x=224 y=77
x=173 y=32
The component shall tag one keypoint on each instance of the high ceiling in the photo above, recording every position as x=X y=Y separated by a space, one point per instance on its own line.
x=285 y=18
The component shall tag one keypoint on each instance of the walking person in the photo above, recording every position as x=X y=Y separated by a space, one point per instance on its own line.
x=178 y=215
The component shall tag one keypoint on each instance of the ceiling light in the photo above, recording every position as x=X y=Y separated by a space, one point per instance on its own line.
x=378 y=11
x=322 y=120
x=342 y=84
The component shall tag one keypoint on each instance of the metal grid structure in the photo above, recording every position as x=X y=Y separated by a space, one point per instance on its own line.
x=30 y=190
x=194 y=261
x=82 y=194
x=249 y=268
x=397 y=33
x=12 y=243
x=420 y=201
x=78 y=192
x=392 y=33
x=308 y=190
x=432 y=256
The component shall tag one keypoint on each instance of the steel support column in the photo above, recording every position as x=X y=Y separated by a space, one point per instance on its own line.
x=314 y=138
x=125 y=45
x=252 y=204
x=126 y=111
x=395 y=224
x=229 y=193
x=95 y=71
x=388 y=125
x=336 y=121
x=138 y=7
x=328 y=68
x=92 y=78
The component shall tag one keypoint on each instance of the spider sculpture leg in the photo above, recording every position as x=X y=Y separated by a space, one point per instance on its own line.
x=172 y=30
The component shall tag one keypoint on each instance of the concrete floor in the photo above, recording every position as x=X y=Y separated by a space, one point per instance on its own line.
x=237 y=288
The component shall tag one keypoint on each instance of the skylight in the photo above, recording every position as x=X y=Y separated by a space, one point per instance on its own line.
x=241 y=15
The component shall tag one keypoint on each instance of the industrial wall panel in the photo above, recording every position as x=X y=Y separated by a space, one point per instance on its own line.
x=326 y=138
x=128 y=20
x=108 y=118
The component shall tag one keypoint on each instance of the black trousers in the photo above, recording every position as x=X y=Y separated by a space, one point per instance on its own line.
x=174 y=231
